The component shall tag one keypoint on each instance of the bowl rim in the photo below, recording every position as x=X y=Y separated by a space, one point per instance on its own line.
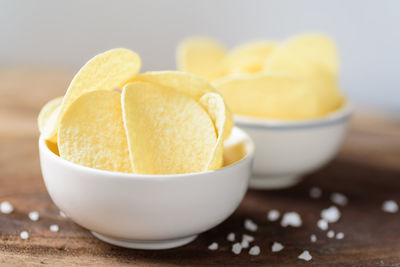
x=337 y=116
x=163 y=177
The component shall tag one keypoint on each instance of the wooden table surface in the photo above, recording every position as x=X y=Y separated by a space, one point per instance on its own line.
x=367 y=171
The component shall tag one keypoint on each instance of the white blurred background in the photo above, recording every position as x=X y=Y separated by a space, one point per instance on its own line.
x=64 y=34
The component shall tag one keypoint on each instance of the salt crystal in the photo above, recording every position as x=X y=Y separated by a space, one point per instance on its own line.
x=213 y=246
x=276 y=247
x=339 y=199
x=62 y=214
x=6 y=207
x=54 y=228
x=305 y=255
x=236 y=248
x=254 y=251
x=244 y=244
x=291 y=219
x=24 y=235
x=249 y=225
x=315 y=192
x=322 y=224
x=330 y=234
x=231 y=237
x=33 y=215
x=390 y=206
x=339 y=235
x=248 y=238
x=273 y=215
x=331 y=214
x=313 y=238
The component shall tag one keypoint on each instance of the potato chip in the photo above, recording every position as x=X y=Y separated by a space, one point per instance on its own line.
x=303 y=55
x=168 y=132
x=270 y=95
x=48 y=116
x=234 y=152
x=215 y=106
x=202 y=56
x=249 y=57
x=188 y=84
x=92 y=132
x=106 y=71
x=327 y=87
x=53 y=147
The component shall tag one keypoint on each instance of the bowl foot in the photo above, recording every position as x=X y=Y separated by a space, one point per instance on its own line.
x=273 y=182
x=150 y=245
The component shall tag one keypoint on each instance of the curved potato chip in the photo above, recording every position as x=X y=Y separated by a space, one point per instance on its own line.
x=53 y=147
x=48 y=116
x=249 y=57
x=234 y=152
x=92 y=132
x=202 y=56
x=304 y=54
x=168 y=132
x=106 y=71
x=327 y=87
x=188 y=84
x=270 y=95
x=215 y=106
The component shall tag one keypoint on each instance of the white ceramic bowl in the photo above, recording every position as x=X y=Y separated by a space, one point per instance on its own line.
x=288 y=150
x=147 y=211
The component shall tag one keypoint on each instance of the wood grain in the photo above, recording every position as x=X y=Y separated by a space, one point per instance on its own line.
x=367 y=171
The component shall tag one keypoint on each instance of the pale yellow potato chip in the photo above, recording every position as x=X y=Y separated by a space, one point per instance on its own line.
x=327 y=87
x=271 y=95
x=92 y=132
x=215 y=106
x=188 y=84
x=304 y=55
x=183 y=82
x=168 y=132
x=233 y=153
x=48 y=116
x=106 y=71
x=249 y=57
x=202 y=56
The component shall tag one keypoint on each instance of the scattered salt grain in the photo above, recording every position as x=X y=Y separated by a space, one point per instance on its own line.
x=244 y=244
x=330 y=234
x=62 y=214
x=254 y=251
x=331 y=214
x=6 y=207
x=390 y=206
x=248 y=238
x=236 y=248
x=305 y=255
x=231 y=237
x=313 y=238
x=213 y=246
x=339 y=199
x=54 y=228
x=315 y=192
x=273 y=215
x=322 y=224
x=249 y=225
x=276 y=247
x=291 y=219
x=33 y=215
x=339 y=235
x=24 y=235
